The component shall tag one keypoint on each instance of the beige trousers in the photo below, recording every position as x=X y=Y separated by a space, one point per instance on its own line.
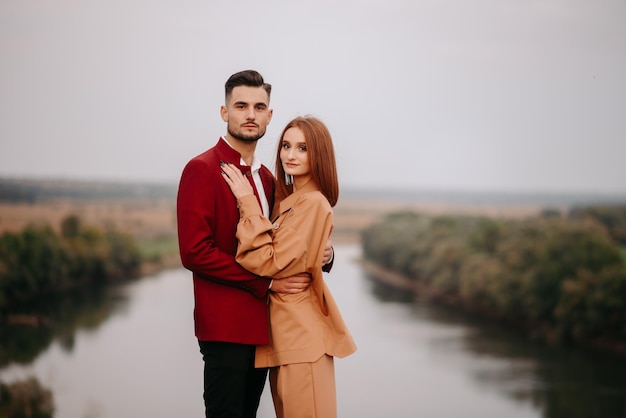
x=305 y=390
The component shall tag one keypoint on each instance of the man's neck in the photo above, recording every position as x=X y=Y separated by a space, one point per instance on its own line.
x=246 y=149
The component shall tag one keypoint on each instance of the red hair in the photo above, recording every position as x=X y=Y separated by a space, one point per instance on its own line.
x=322 y=165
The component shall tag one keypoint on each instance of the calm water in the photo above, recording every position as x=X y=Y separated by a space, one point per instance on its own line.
x=131 y=353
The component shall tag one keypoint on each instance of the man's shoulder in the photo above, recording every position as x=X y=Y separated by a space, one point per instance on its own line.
x=209 y=154
x=221 y=151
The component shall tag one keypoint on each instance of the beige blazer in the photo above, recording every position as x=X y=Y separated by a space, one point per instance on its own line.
x=304 y=326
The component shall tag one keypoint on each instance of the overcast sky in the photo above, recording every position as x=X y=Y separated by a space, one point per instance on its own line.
x=484 y=95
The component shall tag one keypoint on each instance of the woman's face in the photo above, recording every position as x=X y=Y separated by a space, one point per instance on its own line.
x=293 y=154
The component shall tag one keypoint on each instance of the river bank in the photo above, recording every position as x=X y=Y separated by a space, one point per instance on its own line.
x=96 y=363
x=424 y=293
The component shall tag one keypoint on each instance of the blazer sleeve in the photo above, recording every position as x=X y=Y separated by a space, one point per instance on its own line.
x=292 y=245
x=196 y=205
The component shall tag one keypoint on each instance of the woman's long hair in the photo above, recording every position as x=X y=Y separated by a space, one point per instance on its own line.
x=322 y=165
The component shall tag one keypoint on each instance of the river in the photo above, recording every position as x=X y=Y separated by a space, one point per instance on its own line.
x=135 y=356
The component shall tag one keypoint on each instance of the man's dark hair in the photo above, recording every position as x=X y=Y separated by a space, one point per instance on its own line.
x=248 y=78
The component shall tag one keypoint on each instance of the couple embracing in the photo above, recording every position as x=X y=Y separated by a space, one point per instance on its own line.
x=257 y=247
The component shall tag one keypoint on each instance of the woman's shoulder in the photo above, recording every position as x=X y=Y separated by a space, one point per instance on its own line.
x=313 y=198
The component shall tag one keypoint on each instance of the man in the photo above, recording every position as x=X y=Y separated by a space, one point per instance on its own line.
x=230 y=311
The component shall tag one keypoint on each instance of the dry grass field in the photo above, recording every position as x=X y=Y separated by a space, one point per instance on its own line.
x=149 y=218
x=352 y=215
x=144 y=218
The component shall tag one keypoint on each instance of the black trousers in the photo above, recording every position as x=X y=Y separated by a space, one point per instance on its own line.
x=232 y=386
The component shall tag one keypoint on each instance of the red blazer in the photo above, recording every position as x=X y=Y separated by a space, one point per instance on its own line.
x=230 y=302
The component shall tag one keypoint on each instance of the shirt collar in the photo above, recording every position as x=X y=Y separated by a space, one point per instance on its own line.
x=256 y=164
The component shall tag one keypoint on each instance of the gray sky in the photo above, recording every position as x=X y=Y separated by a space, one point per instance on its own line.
x=486 y=95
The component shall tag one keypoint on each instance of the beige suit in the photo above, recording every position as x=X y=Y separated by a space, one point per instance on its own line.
x=305 y=327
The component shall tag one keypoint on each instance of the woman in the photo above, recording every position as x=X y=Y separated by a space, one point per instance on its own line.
x=306 y=329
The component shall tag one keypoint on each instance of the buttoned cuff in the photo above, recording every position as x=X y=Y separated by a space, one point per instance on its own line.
x=249 y=206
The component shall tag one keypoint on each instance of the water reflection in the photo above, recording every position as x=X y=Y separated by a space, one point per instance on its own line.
x=30 y=332
x=130 y=351
x=560 y=381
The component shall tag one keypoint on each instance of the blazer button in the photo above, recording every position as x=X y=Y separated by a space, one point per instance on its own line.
x=276 y=225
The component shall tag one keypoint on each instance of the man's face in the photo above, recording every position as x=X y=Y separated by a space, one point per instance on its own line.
x=247 y=113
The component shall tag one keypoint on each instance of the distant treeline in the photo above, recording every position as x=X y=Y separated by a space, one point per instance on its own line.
x=451 y=197
x=563 y=276
x=33 y=191
x=29 y=190
x=39 y=261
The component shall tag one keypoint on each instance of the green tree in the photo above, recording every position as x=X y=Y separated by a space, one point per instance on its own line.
x=563 y=275
x=37 y=260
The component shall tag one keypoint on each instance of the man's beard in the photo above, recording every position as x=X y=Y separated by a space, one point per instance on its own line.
x=244 y=138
